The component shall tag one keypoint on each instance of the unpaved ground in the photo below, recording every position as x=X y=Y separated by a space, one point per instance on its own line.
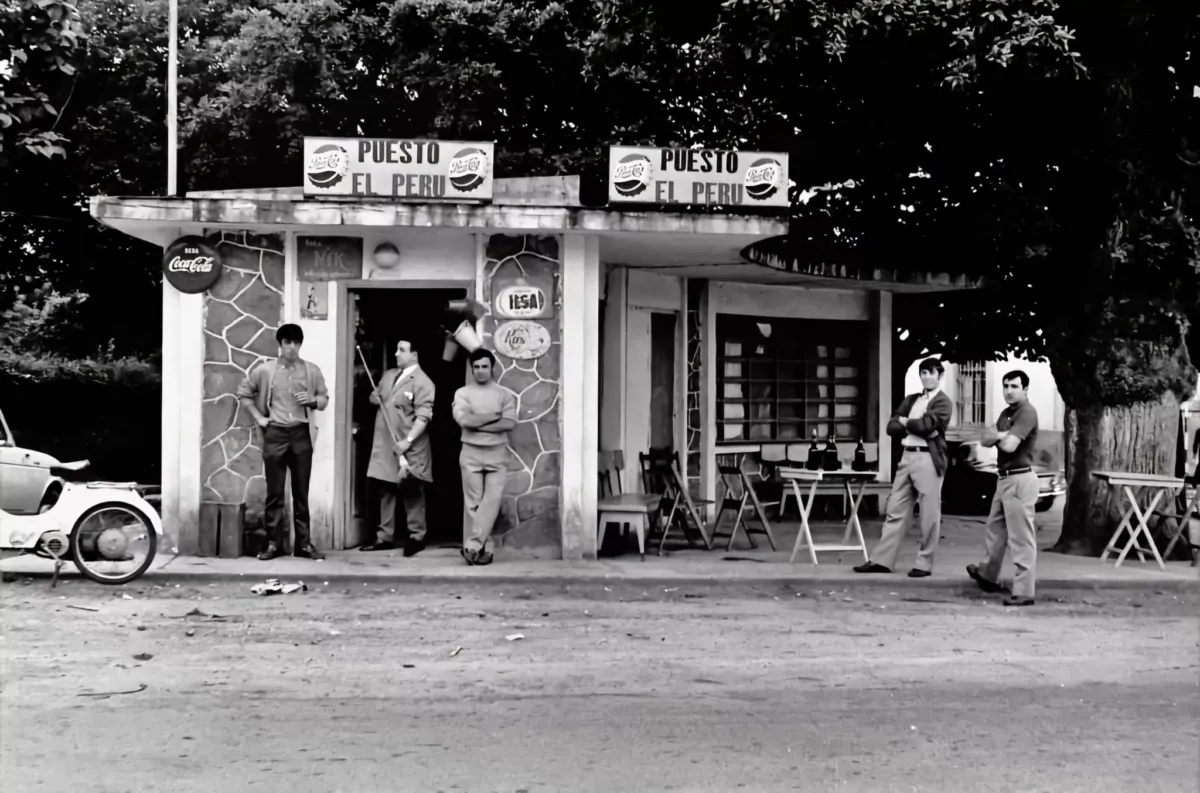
x=364 y=689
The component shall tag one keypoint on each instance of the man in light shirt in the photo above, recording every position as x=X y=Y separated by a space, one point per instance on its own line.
x=920 y=422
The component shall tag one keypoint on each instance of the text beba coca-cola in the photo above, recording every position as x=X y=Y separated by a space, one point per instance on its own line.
x=197 y=264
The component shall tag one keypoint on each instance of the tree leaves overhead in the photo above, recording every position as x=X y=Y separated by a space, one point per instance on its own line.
x=40 y=45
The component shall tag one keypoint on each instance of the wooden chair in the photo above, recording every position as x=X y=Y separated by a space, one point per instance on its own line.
x=620 y=508
x=1179 y=514
x=738 y=491
x=662 y=476
x=771 y=490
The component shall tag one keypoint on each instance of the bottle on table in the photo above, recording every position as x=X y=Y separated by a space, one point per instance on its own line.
x=860 y=457
x=832 y=461
x=814 y=454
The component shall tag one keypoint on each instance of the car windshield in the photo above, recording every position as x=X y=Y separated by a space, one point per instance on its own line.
x=5 y=436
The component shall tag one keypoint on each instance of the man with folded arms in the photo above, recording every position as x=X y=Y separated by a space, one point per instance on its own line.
x=921 y=422
x=486 y=411
x=1011 y=522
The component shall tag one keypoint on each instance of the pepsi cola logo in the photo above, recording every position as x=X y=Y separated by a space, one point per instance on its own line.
x=763 y=178
x=632 y=174
x=468 y=169
x=328 y=165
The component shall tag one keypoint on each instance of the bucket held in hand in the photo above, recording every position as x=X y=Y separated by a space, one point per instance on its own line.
x=459 y=324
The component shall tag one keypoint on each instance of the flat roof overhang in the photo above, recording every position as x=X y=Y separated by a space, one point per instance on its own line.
x=693 y=245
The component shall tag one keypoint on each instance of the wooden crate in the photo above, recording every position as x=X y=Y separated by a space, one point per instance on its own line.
x=221 y=529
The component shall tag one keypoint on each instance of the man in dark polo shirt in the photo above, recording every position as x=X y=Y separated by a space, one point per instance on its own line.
x=1011 y=523
x=280 y=395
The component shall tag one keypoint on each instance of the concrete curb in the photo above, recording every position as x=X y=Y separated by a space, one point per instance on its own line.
x=317 y=578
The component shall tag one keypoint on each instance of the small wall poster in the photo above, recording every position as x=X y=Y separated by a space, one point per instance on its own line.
x=314 y=300
x=329 y=258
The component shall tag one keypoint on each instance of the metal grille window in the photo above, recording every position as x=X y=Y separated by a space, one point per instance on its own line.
x=972 y=394
x=780 y=379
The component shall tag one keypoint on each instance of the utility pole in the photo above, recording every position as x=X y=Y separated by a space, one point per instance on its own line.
x=173 y=101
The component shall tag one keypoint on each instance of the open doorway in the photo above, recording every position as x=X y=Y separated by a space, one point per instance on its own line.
x=382 y=317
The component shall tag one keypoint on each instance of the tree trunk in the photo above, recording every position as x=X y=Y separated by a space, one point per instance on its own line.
x=1140 y=439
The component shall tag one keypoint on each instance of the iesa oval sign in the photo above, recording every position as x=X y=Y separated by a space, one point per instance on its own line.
x=521 y=340
x=520 y=302
x=191 y=265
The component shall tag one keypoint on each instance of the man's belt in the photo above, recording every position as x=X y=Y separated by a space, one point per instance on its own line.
x=917 y=449
x=1014 y=471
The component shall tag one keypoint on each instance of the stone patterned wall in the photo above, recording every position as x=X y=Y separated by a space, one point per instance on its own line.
x=241 y=313
x=695 y=349
x=530 y=517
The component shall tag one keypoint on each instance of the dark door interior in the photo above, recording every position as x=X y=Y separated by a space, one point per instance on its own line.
x=662 y=380
x=385 y=316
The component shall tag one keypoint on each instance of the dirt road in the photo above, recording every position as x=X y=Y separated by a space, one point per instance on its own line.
x=617 y=689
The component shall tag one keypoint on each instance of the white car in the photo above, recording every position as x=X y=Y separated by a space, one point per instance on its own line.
x=26 y=485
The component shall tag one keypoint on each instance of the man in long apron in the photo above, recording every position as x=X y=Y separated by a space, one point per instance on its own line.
x=406 y=394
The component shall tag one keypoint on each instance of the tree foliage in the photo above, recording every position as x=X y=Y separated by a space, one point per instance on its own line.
x=1040 y=148
x=40 y=46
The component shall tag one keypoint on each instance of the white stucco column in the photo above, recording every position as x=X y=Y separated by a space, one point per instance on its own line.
x=708 y=402
x=182 y=394
x=881 y=321
x=580 y=400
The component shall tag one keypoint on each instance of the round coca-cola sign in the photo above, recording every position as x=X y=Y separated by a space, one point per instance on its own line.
x=191 y=264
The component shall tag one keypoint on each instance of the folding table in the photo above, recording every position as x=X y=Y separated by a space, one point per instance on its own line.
x=847 y=478
x=1135 y=487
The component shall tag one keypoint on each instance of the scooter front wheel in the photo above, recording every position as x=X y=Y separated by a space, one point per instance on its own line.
x=113 y=543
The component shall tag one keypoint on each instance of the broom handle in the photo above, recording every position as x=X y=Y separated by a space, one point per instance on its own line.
x=387 y=419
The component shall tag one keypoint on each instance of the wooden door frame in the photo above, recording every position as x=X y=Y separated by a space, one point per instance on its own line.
x=343 y=512
x=679 y=398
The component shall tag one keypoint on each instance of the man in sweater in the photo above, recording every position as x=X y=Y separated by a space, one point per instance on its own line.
x=1011 y=522
x=486 y=412
x=280 y=395
x=920 y=422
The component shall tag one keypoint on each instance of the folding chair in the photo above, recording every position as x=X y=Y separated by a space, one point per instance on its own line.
x=1184 y=510
x=734 y=478
x=662 y=476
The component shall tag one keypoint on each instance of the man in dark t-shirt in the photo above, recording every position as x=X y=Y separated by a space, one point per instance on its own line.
x=1011 y=522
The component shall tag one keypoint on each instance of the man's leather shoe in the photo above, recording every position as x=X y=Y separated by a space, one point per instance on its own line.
x=991 y=587
x=309 y=552
x=413 y=547
x=915 y=573
x=1013 y=600
x=872 y=567
x=272 y=552
x=378 y=546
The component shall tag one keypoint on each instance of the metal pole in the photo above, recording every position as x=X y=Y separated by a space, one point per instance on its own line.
x=173 y=100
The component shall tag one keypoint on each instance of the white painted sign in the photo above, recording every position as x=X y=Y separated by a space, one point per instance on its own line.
x=643 y=175
x=399 y=170
x=521 y=339
x=520 y=302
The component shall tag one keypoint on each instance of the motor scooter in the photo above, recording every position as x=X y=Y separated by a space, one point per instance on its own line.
x=107 y=529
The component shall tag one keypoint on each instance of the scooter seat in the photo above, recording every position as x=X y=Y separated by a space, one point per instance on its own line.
x=71 y=472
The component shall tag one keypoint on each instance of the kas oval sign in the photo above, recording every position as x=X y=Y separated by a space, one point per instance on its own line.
x=521 y=302
x=521 y=340
x=191 y=265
